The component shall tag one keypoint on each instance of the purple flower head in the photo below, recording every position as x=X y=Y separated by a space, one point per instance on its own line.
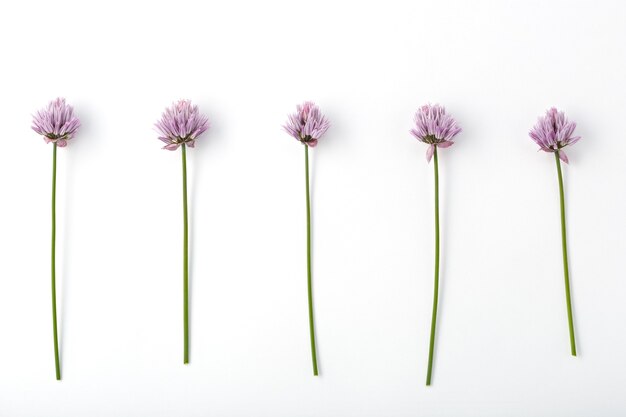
x=56 y=123
x=434 y=127
x=553 y=132
x=181 y=123
x=307 y=124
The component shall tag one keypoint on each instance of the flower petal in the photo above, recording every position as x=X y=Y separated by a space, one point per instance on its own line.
x=563 y=157
x=171 y=146
x=430 y=152
x=573 y=140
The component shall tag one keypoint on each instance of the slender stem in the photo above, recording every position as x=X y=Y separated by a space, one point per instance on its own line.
x=433 y=324
x=570 y=319
x=308 y=260
x=53 y=263
x=185 y=259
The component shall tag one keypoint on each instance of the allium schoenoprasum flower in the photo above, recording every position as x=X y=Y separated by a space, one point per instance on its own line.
x=56 y=122
x=180 y=126
x=553 y=132
x=307 y=124
x=181 y=123
x=434 y=127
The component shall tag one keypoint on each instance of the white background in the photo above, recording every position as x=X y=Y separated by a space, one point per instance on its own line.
x=502 y=347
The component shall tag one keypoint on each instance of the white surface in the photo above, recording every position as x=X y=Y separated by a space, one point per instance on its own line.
x=502 y=347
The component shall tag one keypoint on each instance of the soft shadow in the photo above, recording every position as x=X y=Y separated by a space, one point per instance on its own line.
x=63 y=276
x=572 y=286
x=77 y=149
x=444 y=196
x=195 y=169
x=328 y=143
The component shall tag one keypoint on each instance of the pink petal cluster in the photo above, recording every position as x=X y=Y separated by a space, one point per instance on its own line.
x=56 y=123
x=181 y=123
x=307 y=124
x=434 y=127
x=553 y=132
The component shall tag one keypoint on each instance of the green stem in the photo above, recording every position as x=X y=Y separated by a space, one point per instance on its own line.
x=185 y=259
x=308 y=260
x=568 y=299
x=53 y=263
x=433 y=324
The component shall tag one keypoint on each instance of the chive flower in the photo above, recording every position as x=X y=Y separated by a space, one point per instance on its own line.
x=552 y=133
x=57 y=124
x=436 y=128
x=180 y=126
x=307 y=125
